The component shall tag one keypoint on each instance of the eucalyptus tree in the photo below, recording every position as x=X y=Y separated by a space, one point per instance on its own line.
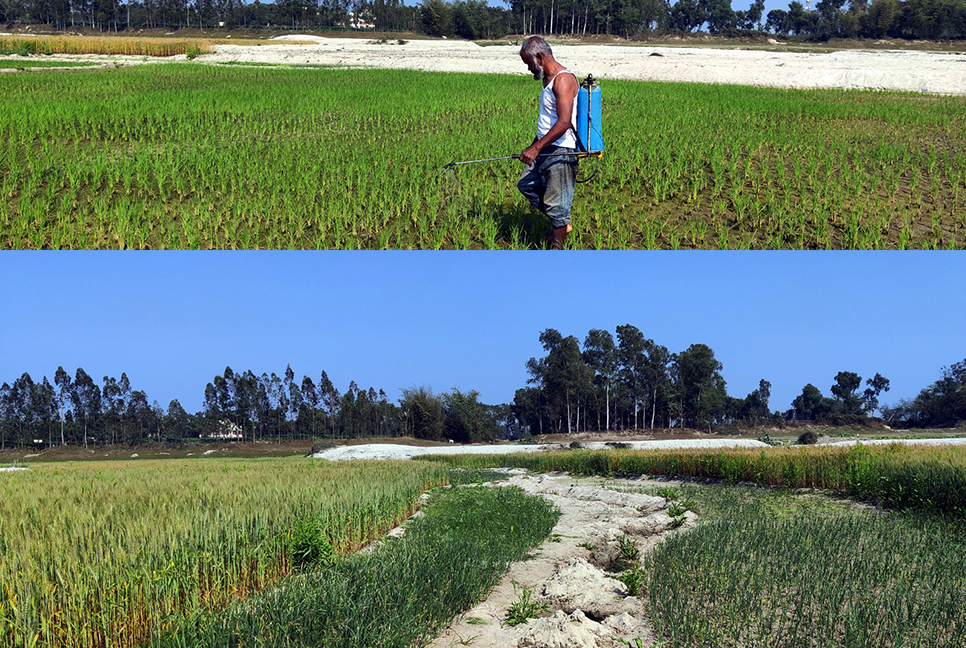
x=86 y=399
x=140 y=413
x=561 y=375
x=45 y=407
x=18 y=408
x=6 y=415
x=656 y=377
x=64 y=387
x=631 y=359
x=844 y=390
x=293 y=397
x=875 y=386
x=528 y=410
x=309 y=401
x=700 y=386
x=600 y=356
x=330 y=399
x=115 y=395
x=177 y=419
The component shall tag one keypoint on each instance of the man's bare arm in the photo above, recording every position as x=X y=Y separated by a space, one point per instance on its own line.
x=565 y=91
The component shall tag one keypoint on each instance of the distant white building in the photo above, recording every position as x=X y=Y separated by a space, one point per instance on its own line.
x=353 y=21
x=226 y=430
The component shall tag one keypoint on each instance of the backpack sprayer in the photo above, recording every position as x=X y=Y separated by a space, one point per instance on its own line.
x=589 y=130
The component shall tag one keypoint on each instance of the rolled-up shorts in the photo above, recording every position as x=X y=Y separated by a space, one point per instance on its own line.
x=549 y=184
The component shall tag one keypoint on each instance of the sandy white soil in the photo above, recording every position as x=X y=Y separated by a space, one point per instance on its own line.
x=880 y=70
x=587 y=607
x=928 y=72
x=929 y=442
x=396 y=451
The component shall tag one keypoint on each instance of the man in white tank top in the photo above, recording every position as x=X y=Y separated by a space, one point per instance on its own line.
x=549 y=180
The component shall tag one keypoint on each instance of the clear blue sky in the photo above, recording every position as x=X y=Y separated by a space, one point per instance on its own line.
x=392 y=320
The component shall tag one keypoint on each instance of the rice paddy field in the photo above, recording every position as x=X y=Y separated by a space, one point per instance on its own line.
x=184 y=155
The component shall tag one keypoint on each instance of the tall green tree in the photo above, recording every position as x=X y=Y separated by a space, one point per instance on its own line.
x=844 y=390
x=86 y=400
x=436 y=17
x=465 y=418
x=64 y=388
x=424 y=413
x=562 y=376
x=875 y=386
x=701 y=388
x=600 y=356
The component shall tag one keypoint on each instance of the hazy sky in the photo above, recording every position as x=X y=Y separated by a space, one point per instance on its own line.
x=392 y=320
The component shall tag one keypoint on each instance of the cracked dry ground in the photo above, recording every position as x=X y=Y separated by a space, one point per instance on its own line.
x=587 y=608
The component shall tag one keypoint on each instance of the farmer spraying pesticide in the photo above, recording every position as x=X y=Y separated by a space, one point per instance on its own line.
x=568 y=128
x=549 y=182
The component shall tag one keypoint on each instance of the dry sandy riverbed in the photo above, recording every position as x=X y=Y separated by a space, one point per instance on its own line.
x=880 y=70
x=931 y=72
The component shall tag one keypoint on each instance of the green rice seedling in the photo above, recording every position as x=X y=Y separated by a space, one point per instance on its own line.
x=218 y=149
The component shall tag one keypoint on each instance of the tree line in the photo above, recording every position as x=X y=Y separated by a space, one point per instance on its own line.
x=610 y=382
x=627 y=381
x=475 y=19
x=243 y=406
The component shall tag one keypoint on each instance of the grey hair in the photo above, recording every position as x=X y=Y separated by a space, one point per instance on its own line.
x=535 y=45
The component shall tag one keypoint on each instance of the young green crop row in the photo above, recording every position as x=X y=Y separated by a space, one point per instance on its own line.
x=925 y=478
x=771 y=567
x=112 y=553
x=192 y=156
x=398 y=596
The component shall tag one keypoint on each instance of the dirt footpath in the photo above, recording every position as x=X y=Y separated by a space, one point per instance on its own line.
x=587 y=608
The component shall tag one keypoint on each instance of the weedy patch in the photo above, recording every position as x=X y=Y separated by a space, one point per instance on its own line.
x=524 y=607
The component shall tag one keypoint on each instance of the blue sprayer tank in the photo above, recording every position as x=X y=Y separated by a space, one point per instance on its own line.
x=590 y=130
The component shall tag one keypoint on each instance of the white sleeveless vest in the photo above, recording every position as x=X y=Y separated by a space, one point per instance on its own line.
x=548 y=114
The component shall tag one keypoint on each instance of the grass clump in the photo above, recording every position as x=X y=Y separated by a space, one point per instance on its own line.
x=309 y=545
x=524 y=607
x=398 y=596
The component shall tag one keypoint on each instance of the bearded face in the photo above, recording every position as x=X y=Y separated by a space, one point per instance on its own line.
x=534 y=65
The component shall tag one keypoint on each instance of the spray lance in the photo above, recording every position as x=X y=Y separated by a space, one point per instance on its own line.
x=589 y=130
